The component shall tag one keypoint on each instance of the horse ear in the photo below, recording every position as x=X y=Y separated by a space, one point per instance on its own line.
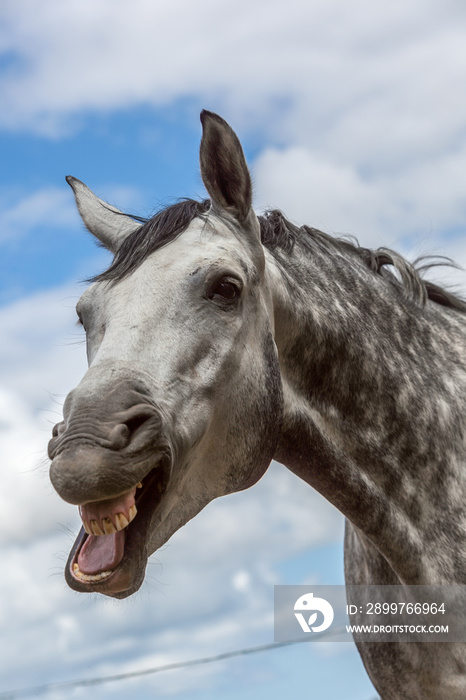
x=105 y=222
x=223 y=167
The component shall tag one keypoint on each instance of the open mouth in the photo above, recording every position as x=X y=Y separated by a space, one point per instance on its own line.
x=110 y=552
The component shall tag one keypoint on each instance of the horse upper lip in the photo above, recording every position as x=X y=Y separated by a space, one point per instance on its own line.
x=84 y=474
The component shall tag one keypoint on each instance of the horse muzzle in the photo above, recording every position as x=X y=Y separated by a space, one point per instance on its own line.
x=110 y=457
x=105 y=445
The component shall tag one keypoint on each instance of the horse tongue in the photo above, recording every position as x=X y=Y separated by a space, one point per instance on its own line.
x=101 y=553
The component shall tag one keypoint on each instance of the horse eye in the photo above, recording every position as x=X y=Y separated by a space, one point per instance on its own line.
x=226 y=290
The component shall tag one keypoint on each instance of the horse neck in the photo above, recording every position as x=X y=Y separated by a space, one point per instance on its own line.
x=375 y=397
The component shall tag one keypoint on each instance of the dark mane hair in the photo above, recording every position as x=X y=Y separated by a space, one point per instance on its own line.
x=279 y=234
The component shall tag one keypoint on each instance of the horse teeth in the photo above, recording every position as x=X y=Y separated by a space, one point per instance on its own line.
x=95 y=527
x=132 y=513
x=121 y=521
x=108 y=527
x=89 y=577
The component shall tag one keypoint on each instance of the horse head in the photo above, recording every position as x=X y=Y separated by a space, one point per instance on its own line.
x=182 y=401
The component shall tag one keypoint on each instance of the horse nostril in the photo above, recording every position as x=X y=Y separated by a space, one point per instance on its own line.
x=58 y=429
x=136 y=422
x=122 y=433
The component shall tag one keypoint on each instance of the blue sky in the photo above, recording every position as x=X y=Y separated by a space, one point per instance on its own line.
x=352 y=117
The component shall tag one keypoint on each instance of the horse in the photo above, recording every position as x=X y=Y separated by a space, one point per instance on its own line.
x=218 y=340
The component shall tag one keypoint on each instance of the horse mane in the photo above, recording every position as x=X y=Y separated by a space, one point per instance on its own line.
x=280 y=234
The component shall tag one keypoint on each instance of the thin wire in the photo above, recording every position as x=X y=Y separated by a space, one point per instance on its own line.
x=39 y=689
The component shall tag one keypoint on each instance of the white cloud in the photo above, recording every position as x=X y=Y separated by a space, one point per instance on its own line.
x=360 y=104
x=38 y=367
x=309 y=189
x=356 y=74
x=51 y=206
x=28 y=506
x=41 y=351
x=421 y=203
